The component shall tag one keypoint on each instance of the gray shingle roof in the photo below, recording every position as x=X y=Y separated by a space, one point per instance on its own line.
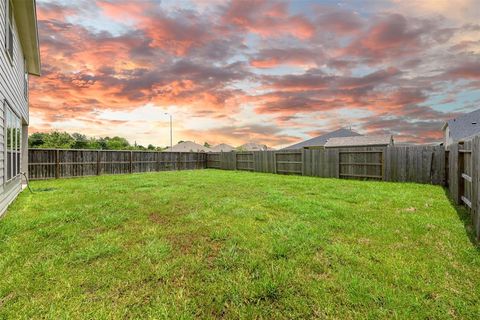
x=223 y=147
x=465 y=125
x=381 y=140
x=188 y=146
x=253 y=146
x=322 y=139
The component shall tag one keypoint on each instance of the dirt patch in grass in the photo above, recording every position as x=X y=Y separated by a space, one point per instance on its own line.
x=213 y=252
x=158 y=219
x=184 y=243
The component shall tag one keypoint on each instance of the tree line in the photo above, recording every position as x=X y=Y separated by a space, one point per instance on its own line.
x=65 y=140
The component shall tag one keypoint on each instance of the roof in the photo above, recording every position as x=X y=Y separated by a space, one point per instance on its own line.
x=322 y=139
x=252 y=146
x=188 y=146
x=380 y=140
x=26 y=21
x=465 y=125
x=223 y=147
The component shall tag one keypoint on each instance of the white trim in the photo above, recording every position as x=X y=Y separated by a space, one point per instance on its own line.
x=17 y=151
x=9 y=28
x=26 y=88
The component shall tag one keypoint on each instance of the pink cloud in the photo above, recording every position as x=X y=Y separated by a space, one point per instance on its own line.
x=268 y=19
x=256 y=57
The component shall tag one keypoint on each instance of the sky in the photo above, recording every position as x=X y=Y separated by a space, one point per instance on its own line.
x=260 y=71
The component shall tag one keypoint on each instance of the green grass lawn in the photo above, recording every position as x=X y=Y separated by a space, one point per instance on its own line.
x=225 y=244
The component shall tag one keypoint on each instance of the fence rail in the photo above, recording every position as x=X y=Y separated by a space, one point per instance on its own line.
x=63 y=163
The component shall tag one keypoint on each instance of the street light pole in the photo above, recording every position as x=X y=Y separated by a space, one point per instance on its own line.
x=171 y=144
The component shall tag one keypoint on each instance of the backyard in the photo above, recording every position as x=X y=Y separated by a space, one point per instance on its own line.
x=231 y=244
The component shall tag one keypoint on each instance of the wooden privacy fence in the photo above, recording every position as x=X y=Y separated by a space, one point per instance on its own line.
x=458 y=168
x=422 y=164
x=464 y=177
x=62 y=163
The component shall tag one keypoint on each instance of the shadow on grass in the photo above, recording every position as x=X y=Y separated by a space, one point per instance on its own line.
x=466 y=218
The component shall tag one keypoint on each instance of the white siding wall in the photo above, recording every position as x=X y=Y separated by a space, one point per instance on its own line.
x=11 y=89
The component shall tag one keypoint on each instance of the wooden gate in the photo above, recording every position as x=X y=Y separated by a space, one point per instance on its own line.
x=465 y=173
x=288 y=162
x=465 y=178
x=244 y=161
x=213 y=160
x=361 y=164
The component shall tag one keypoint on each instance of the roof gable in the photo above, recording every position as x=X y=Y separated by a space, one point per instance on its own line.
x=465 y=125
x=223 y=147
x=322 y=139
x=253 y=146
x=379 y=140
x=188 y=146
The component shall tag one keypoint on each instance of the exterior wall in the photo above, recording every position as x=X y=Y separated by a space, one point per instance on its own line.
x=447 y=139
x=11 y=90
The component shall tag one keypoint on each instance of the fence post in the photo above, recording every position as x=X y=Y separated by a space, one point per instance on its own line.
x=303 y=161
x=57 y=164
x=461 y=164
x=98 y=162
x=274 y=162
x=339 y=166
x=383 y=164
x=131 y=161
x=337 y=157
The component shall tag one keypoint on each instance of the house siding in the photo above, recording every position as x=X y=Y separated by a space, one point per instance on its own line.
x=12 y=91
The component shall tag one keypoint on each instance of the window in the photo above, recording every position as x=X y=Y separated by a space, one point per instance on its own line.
x=13 y=143
x=25 y=80
x=9 y=29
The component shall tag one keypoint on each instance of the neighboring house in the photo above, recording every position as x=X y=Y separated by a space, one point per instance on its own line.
x=462 y=127
x=252 y=146
x=19 y=57
x=188 y=146
x=360 y=141
x=319 y=142
x=223 y=147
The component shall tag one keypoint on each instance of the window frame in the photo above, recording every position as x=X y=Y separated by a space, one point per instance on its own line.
x=9 y=30
x=25 y=80
x=13 y=148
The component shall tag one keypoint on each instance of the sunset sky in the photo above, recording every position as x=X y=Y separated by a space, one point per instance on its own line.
x=264 y=71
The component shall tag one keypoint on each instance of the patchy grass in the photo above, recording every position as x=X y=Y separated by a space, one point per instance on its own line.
x=223 y=244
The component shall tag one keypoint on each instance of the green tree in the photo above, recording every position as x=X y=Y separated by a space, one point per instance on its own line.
x=94 y=143
x=36 y=140
x=64 y=140
x=81 y=141
x=117 y=143
x=59 y=140
x=102 y=143
x=206 y=144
